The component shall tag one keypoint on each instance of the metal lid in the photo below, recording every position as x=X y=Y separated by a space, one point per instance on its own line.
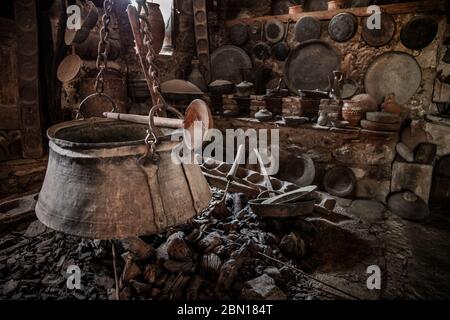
x=342 y=27
x=307 y=28
x=379 y=37
x=393 y=72
x=69 y=68
x=419 y=32
x=274 y=31
x=310 y=66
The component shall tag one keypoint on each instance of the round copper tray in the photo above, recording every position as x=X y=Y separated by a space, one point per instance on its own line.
x=227 y=63
x=379 y=37
x=393 y=72
x=310 y=65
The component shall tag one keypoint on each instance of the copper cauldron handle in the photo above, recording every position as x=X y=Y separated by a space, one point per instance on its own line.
x=79 y=115
x=151 y=139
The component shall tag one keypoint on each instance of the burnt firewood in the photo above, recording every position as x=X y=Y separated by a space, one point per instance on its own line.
x=139 y=248
x=140 y=288
x=230 y=269
x=208 y=243
x=194 y=236
x=161 y=279
x=211 y=264
x=130 y=271
x=193 y=287
x=163 y=250
x=177 y=249
x=179 y=266
x=175 y=284
x=293 y=246
x=152 y=272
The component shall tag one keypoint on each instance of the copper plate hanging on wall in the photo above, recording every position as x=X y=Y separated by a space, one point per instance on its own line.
x=307 y=28
x=342 y=27
x=310 y=65
x=238 y=34
x=379 y=37
x=393 y=72
x=227 y=63
x=274 y=31
x=419 y=32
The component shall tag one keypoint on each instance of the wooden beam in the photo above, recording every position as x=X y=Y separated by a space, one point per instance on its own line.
x=398 y=8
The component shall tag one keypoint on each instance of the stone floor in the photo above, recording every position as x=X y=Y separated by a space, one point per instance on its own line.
x=414 y=258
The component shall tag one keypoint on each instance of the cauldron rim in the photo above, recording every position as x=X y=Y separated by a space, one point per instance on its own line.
x=53 y=131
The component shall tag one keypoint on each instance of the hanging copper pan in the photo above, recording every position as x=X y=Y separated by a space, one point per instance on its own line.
x=393 y=72
x=274 y=31
x=227 y=63
x=342 y=27
x=419 y=32
x=281 y=50
x=69 y=68
x=238 y=34
x=379 y=37
x=307 y=28
x=261 y=50
x=310 y=65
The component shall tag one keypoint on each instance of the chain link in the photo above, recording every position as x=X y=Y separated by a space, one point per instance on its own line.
x=153 y=72
x=103 y=47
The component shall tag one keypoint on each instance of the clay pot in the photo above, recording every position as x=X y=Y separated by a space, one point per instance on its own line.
x=295 y=9
x=352 y=112
x=244 y=89
x=196 y=77
x=158 y=26
x=390 y=105
x=334 y=5
x=366 y=102
x=220 y=87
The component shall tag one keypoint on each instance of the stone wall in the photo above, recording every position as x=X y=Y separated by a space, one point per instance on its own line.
x=368 y=154
x=363 y=54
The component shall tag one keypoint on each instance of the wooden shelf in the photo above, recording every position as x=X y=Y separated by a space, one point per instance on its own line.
x=398 y=8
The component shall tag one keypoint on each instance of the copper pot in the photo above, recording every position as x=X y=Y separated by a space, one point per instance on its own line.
x=96 y=186
x=390 y=105
x=158 y=26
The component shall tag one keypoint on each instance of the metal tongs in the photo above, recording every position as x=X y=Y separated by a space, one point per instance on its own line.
x=220 y=209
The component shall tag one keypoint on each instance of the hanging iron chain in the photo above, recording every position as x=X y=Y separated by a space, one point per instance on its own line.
x=103 y=47
x=153 y=72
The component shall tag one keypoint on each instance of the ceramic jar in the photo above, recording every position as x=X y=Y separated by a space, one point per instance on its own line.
x=352 y=112
x=158 y=26
x=390 y=105
x=196 y=77
x=334 y=5
x=295 y=9
x=366 y=102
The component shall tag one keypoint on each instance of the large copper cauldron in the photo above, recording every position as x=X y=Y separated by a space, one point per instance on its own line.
x=97 y=187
